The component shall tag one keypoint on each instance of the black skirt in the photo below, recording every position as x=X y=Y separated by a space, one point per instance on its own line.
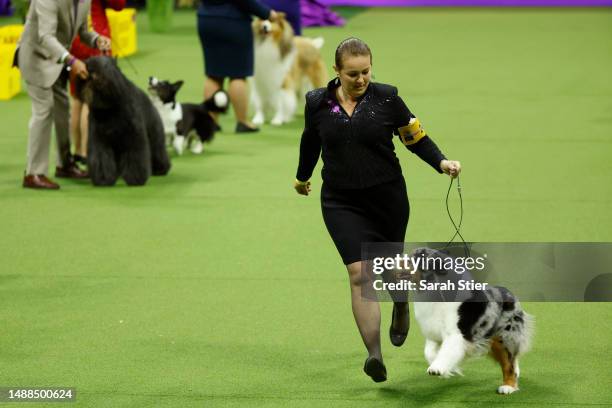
x=227 y=44
x=374 y=214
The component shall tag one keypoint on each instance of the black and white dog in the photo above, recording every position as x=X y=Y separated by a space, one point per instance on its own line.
x=183 y=121
x=486 y=320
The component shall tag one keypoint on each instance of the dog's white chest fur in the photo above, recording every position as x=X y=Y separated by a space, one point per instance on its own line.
x=437 y=320
x=169 y=115
x=271 y=67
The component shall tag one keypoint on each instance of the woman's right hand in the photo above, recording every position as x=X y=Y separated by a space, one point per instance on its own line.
x=302 y=187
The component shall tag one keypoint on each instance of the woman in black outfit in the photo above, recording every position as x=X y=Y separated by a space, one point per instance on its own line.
x=226 y=37
x=363 y=197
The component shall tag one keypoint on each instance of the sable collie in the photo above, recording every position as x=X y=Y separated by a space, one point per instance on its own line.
x=286 y=67
x=489 y=320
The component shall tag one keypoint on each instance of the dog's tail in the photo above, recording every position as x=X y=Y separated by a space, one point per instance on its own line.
x=517 y=331
x=527 y=333
x=218 y=102
x=317 y=42
x=515 y=326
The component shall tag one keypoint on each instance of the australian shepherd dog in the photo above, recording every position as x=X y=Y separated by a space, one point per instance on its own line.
x=489 y=320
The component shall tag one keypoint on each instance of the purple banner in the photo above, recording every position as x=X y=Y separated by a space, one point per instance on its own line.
x=314 y=13
x=469 y=3
x=5 y=7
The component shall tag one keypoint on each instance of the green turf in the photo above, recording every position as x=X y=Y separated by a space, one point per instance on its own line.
x=219 y=286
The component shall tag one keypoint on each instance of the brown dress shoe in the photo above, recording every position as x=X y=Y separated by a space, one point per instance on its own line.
x=39 y=181
x=71 y=171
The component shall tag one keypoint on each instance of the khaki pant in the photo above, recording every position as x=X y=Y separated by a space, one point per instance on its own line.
x=49 y=106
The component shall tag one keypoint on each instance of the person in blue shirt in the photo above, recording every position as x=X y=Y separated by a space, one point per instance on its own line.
x=224 y=27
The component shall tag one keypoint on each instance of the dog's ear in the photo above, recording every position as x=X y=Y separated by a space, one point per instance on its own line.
x=281 y=14
x=177 y=85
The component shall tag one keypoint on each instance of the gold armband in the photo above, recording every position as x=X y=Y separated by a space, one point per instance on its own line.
x=300 y=183
x=412 y=132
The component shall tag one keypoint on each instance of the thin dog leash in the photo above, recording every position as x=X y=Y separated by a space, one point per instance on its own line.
x=116 y=46
x=456 y=226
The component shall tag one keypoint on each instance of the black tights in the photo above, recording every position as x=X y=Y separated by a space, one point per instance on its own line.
x=366 y=310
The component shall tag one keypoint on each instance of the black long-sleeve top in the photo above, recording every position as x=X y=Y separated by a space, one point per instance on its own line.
x=358 y=151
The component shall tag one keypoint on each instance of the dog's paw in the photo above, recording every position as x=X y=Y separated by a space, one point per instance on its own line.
x=506 y=389
x=258 y=119
x=277 y=121
x=197 y=147
x=179 y=144
x=438 y=370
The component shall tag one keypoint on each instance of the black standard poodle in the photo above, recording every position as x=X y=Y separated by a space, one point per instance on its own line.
x=126 y=134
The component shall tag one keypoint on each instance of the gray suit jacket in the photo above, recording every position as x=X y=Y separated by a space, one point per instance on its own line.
x=49 y=30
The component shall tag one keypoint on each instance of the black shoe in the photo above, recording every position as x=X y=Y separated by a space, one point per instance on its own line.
x=397 y=337
x=72 y=172
x=242 y=128
x=375 y=369
x=78 y=159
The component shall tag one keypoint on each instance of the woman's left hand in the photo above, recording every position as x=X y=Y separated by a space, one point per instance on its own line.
x=450 y=167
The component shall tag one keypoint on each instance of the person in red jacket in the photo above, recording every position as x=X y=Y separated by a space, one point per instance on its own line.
x=79 y=110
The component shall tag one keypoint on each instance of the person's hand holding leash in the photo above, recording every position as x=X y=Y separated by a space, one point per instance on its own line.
x=104 y=44
x=302 y=187
x=450 y=167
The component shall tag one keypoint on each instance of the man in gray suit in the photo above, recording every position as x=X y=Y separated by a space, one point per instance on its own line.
x=43 y=54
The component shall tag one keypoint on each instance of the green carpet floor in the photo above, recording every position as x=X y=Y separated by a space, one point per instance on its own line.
x=219 y=286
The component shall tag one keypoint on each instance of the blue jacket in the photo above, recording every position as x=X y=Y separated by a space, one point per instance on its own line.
x=236 y=9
